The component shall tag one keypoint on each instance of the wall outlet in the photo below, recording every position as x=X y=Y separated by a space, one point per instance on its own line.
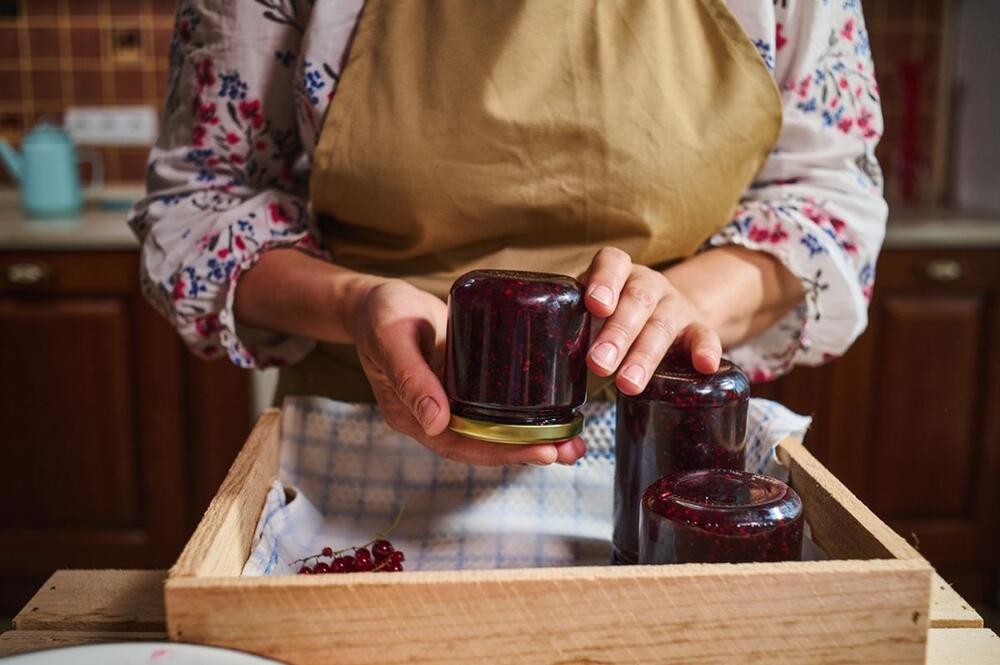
x=112 y=125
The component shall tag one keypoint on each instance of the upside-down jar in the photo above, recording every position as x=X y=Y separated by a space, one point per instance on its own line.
x=719 y=516
x=516 y=356
x=683 y=421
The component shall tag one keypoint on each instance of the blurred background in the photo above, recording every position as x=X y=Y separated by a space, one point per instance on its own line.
x=114 y=438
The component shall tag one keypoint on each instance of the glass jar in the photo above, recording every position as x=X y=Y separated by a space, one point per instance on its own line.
x=719 y=516
x=516 y=356
x=684 y=420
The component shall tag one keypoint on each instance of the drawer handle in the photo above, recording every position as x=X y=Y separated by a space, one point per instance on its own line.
x=29 y=273
x=943 y=270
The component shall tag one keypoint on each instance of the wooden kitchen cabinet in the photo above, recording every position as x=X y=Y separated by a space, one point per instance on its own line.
x=909 y=418
x=114 y=437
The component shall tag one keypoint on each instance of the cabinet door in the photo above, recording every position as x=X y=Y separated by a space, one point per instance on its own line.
x=113 y=436
x=910 y=418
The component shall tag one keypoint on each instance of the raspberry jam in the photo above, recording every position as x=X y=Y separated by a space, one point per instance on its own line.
x=719 y=516
x=684 y=420
x=516 y=356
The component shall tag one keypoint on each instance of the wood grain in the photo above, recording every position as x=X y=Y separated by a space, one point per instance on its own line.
x=802 y=612
x=950 y=610
x=841 y=524
x=963 y=646
x=97 y=600
x=221 y=543
x=23 y=641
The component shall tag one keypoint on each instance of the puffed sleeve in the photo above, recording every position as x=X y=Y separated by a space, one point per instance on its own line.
x=817 y=204
x=225 y=179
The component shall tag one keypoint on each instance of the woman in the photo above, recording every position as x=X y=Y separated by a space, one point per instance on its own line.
x=644 y=146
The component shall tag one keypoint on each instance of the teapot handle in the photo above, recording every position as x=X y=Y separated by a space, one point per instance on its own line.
x=92 y=157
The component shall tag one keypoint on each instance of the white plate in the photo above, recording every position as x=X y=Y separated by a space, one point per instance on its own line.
x=134 y=653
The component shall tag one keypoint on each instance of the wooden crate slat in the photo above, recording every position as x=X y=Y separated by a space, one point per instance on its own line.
x=23 y=641
x=962 y=646
x=668 y=614
x=97 y=600
x=950 y=610
x=841 y=524
x=221 y=543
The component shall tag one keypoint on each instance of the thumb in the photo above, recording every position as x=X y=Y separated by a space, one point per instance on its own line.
x=412 y=379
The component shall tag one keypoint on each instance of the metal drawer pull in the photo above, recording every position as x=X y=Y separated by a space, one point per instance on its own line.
x=26 y=274
x=943 y=270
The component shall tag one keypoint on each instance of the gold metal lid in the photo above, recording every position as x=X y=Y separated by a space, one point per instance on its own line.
x=517 y=434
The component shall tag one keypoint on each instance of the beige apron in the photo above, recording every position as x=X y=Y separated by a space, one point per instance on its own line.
x=528 y=134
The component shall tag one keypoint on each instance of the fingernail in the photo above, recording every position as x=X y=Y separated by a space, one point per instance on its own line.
x=427 y=410
x=568 y=463
x=537 y=463
x=634 y=375
x=603 y=295
x=605 y=354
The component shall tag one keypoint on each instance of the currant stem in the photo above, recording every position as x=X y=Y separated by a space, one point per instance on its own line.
x=378 y=536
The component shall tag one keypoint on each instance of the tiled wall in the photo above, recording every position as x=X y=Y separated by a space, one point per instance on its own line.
x=60 y=52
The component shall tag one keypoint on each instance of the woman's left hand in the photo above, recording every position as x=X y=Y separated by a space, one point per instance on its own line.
x=646 y=314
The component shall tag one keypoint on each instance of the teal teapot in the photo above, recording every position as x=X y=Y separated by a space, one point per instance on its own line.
x=46 y=170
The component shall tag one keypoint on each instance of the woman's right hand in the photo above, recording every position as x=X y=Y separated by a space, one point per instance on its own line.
x=399 y=331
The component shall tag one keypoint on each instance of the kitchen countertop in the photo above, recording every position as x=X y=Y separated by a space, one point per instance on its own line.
x=100 y=229
x=96 y=229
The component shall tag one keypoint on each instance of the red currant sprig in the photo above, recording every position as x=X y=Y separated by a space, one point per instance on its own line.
x=381 y=558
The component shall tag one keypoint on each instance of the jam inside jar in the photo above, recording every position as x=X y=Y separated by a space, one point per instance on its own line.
x=719 y=516
x=516 y=369
x=683 y=421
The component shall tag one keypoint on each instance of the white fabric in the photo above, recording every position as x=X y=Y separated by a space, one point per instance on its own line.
x=344 y=475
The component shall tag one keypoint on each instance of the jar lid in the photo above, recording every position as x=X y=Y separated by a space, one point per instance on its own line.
x=485 y=430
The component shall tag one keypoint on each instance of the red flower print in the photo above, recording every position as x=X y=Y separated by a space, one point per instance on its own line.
x=203 y=72
x=207 y=325
x=198 y=136
x=212 y=161
x=778 y=234
x=238 y=241
x=236 y=159
x=250 y=110
x=845 y=125
x=779 y=39
x=804 y=86
x=278 y=213
x=843 y=83
x=847 y=32
x=261 y=145
x=863 y=119
x=178 y=291
x=232 y=138
x=758 y=234
x=206 y=112
x=223 y=253
x=184 y=28
x=759 y=375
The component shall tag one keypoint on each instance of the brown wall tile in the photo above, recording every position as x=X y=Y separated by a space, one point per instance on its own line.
x=130 y=86
x=9 y=43
x=45 y=7
x=43 y=42
x=84 y=7
x=47 y=86
x=85 y=42
x=88 y=87
x=10 y=86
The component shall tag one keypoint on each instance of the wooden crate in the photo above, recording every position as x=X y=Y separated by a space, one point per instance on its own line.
x=869 y=604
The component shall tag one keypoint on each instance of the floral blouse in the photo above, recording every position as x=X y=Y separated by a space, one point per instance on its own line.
x=250 y=84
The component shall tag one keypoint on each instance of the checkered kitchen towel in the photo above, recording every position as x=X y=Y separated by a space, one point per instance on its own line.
x=345 y=474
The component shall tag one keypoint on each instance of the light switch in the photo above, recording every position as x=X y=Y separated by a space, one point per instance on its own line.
x=112 y=125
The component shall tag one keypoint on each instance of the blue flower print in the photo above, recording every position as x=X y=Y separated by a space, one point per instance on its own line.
x=312 y=82
x=812 y=244
x=232 y=86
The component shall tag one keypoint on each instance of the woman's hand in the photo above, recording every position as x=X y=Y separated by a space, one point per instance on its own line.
x=645 y=315
x=399 y=331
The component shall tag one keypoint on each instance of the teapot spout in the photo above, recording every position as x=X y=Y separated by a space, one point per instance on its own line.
x=12 y=159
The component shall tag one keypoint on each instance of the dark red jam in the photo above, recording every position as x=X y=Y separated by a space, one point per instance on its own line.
x=684 y=420
x=719 y=516
x=517 y=345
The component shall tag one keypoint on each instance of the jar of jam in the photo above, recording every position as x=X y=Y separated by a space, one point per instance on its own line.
x=516 y=356
x=684 y=420
x=719 y=516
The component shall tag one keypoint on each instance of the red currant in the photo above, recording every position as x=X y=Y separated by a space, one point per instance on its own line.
x=397 y=557
x=362 y=554
x=305 y=570
x=321 y=568
x=338 y=566
x=347 y=562
x=363 y=565
x=327 y=551
x=394 y=568
x=382 y=549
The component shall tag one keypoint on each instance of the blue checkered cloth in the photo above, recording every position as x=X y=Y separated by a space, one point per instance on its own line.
x=345 y=474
